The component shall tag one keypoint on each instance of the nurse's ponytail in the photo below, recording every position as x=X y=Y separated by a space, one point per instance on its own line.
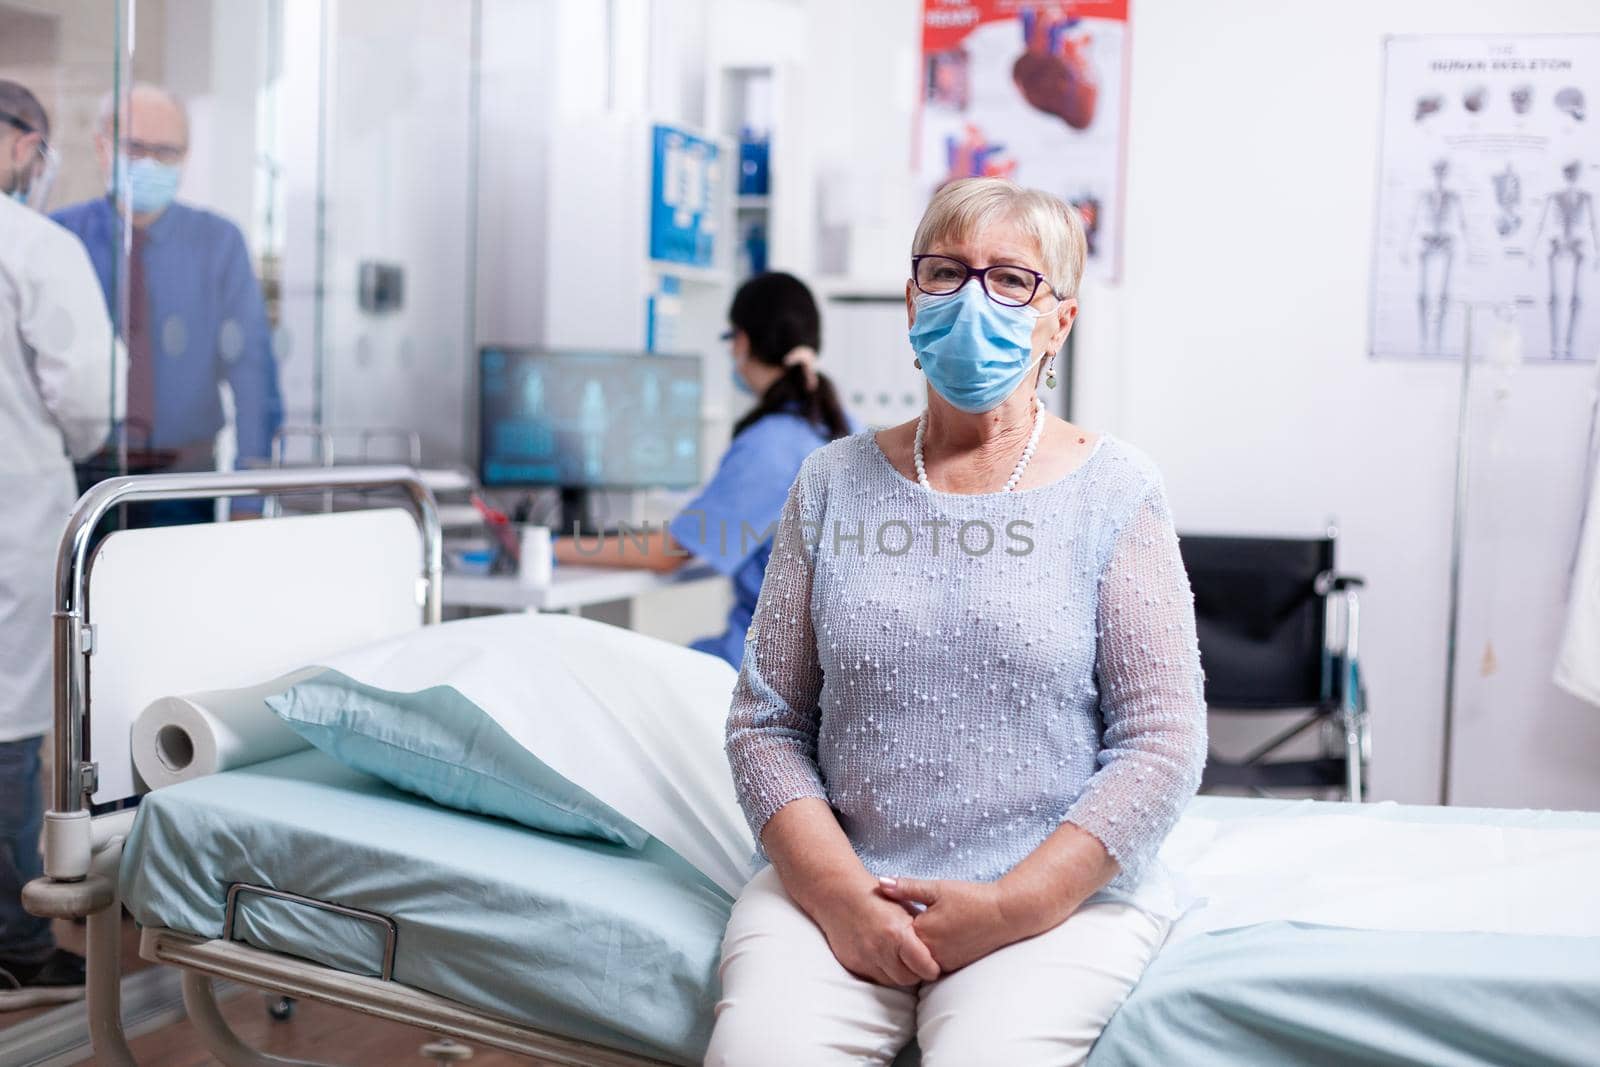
x=779 y=316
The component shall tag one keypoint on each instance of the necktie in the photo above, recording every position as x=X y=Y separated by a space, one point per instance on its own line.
x=141 y=351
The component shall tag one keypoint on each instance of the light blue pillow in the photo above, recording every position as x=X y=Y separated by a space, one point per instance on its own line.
x=439 y=744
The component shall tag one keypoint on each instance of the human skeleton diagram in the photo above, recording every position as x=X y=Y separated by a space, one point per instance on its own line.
x=1436 y=227
x=1570 y=212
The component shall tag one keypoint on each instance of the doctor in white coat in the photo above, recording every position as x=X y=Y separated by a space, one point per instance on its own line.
x=56 y=402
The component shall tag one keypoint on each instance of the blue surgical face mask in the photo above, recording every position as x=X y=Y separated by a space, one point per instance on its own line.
x=152 y=185
x=740 y=386
x=975 y=352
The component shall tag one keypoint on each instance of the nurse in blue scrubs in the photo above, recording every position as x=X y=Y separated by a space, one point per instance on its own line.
x=776 y=334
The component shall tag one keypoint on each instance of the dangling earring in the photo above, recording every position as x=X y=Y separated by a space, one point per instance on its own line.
x=916 y=361
x=1050 y=372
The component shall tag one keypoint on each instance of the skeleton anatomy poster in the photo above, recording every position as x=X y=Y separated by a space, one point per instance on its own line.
x=1489 y=168
x=1035 y=92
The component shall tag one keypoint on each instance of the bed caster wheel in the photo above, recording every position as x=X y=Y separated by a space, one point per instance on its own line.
x=445 y=1050
x=281 y=1009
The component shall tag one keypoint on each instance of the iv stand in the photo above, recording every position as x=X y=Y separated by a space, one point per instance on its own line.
x=1457 y=536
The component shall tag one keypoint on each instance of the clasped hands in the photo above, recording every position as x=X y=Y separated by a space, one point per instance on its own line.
x=903 y=931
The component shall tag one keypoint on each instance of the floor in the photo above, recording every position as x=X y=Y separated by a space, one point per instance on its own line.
x=69 y=936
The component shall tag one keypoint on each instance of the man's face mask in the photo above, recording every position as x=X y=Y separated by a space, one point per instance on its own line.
x=152 y=185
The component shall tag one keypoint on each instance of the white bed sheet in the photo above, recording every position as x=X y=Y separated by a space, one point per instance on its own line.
x=1386 y=867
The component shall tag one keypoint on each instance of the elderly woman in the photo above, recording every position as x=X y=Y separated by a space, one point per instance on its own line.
x=971 y=702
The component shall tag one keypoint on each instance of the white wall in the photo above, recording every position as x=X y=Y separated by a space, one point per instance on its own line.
x=1234 y=353
x=515 y=81
x=862 y=83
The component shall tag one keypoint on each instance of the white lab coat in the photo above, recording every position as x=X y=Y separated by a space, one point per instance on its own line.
x=1578 y=663
x=57 y=366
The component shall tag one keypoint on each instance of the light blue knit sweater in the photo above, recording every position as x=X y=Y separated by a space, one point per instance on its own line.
x=955 y=705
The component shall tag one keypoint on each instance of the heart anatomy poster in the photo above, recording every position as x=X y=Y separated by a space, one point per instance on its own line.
x=1034 y=92
x=1489 y=167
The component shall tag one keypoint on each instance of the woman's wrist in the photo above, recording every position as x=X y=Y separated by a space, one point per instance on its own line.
x=1054 y=880
x=822 y=893
x=813 y=858
x=1029 y=905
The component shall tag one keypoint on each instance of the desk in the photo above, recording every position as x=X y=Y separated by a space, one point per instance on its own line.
x=572 y=587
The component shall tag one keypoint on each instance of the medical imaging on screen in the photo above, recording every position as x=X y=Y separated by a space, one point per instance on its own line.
x=589 y=420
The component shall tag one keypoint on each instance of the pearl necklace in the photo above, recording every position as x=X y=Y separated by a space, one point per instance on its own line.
x=1016 y=473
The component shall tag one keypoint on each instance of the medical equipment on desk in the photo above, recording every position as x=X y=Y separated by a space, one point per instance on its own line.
x=271 y=873
x=513 y=547
x=535 y=556
x=479 y=562
x=508 y=549
x=585 y=421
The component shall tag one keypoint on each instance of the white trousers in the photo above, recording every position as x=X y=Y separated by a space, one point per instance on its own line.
x=787 y=1001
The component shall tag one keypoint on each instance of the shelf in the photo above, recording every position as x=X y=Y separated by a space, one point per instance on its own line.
x=690 y=273
x=748 y=202
x=860 y=289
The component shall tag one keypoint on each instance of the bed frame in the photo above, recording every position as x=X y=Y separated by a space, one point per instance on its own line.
x=83 y=852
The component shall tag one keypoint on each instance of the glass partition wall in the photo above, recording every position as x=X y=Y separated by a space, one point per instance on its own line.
x=399 y=201
x=278 y=198
x=276 y=203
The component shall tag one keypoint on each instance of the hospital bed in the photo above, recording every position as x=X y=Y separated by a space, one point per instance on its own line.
x=1320 y=933
x=172 y=610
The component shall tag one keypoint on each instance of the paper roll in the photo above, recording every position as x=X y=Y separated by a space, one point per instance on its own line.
x=182 y=737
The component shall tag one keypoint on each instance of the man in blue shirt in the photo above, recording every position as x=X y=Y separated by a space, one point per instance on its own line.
x=195 y=317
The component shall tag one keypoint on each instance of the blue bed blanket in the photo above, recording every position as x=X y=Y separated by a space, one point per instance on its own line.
x=1283 y=993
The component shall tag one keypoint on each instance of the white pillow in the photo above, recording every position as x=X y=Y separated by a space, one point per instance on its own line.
x=636 y=721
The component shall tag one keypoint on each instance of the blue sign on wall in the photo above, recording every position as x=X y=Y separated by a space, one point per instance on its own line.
x=686 y=197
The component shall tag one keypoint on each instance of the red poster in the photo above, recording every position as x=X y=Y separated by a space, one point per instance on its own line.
x=1035 y=92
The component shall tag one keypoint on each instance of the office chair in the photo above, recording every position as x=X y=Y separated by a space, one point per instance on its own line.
x=1279 y=631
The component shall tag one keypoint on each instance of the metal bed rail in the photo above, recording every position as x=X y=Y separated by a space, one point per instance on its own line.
x=391 y=929
x=73 y=777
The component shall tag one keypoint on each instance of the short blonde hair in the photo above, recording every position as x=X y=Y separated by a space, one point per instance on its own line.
x=965 y=208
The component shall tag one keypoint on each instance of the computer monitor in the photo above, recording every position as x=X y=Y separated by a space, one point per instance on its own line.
x=587 y=420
